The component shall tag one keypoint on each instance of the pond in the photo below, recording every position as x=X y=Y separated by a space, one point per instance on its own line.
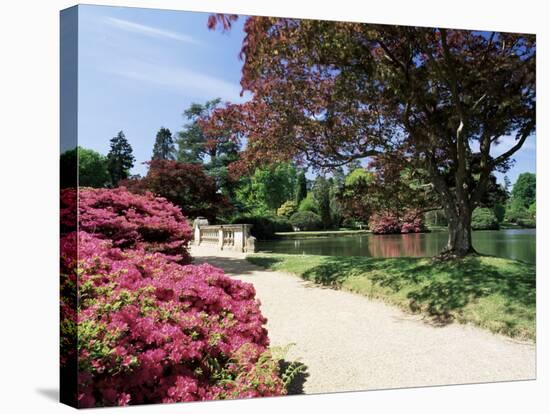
x=517 y=244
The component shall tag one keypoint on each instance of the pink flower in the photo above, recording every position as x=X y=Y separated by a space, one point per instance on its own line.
x=149 y=328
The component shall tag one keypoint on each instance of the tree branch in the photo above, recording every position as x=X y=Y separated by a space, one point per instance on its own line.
x=527 y=131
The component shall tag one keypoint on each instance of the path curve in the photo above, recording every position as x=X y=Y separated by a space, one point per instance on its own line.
x=349 y=342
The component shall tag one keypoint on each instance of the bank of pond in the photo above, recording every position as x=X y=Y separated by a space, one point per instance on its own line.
x=516 y=244
x=490 y=292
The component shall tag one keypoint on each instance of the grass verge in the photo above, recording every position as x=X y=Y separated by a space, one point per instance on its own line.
x=493 y=293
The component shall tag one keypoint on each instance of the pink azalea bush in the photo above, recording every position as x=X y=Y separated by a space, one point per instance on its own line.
x=384 y=223
x=390 y=223
x=412 y=222
x=151 y=330
x=130 y=220
x=138 y=327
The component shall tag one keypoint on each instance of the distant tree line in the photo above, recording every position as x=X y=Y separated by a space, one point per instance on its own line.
x=192 y=169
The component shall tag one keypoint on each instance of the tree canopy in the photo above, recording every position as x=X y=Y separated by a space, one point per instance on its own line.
x=321 y=192
x=92 y=169
x=301 y=187
x=525 y=189
x=185 y=185
x=267 y=188
x=195 y=145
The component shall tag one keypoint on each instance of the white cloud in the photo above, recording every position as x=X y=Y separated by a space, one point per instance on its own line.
x=179 y=79
x=149 y=30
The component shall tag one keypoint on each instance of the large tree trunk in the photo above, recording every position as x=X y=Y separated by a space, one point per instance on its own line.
x=459 y=243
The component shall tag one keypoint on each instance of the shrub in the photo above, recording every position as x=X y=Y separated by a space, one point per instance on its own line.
x=282 y=224
x=264 y=227
x=151 y=330
x=130 y=221
x=533 y=210
x=484 y=219
x=384 y=223
x=287 y=209
x=306 y=220
x=412 y=222
x=516 y=211
x=390 y=223
x=527 y=222
x=309 y=204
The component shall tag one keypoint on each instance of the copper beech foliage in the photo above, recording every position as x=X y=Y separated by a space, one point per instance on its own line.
x=186 y=185
x=327 y=93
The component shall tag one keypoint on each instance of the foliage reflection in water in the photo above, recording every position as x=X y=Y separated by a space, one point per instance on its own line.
x=517 y=244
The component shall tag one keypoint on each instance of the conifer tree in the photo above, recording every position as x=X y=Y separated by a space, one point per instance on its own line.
x=119 y=159
x=164 y=148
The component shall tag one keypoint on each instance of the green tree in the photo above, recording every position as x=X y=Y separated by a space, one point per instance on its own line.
x=192 y=142
x=213 y=149
x=484 y=218
x=533 y=210
x=267 y=188
x=119 y=159
x=516 y=212
x=338 y=178
x=309 y=204
x=321 y=192
x=306 y=221
x=164 y=148
x=336 y=210
x=525 y=189
x=92 y=169
x=500 y=212
x=301 y=187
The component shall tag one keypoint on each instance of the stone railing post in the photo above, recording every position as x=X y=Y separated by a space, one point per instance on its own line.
x=197 y=235
x=238 y=239
x=220 y=238
x=249 y=242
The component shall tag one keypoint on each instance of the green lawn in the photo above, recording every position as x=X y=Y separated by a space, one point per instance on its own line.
x=493 y=293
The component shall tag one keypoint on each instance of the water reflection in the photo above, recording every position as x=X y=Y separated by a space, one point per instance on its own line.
x=513 y=244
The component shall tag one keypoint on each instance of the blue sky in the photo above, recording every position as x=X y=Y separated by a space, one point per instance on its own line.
x=139 y=69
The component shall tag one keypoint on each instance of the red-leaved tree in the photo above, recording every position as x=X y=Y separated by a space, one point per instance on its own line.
x=185 y=185
x=328 y=93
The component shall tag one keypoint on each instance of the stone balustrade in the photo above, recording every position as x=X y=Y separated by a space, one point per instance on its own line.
x=235 y=237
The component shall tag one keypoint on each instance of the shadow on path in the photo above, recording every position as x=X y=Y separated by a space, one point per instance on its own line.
x=231 y=265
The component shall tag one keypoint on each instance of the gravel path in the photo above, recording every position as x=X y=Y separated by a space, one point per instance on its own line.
x=349 y=342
